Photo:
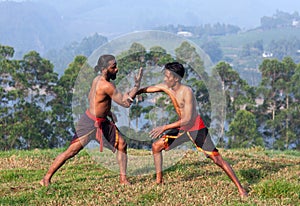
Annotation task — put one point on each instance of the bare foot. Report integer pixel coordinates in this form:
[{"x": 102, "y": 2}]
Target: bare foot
[
  {"x": 44, "y": 182},
  {"x": 125, "y": 182},
  {"x": 159, "y": 178},
  {"x": 159, "y": 182},
  {"x": 243, "y": 194}
]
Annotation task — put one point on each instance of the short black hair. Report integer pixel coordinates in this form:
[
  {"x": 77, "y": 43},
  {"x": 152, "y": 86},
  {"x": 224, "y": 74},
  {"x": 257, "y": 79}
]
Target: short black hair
[
  {"x": 103, "y": 62},
  {"x": 176, "y": 67}
]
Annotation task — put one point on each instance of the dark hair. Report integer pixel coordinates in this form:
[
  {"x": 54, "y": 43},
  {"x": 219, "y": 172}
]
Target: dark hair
[
  {"x": 103, "y": 62},
  {"x": 176, "y": 67}
]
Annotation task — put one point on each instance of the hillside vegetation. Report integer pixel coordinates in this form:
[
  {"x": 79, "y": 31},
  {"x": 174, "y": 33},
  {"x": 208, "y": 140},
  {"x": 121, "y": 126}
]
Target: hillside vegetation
[{"x": 271, "y": 177}]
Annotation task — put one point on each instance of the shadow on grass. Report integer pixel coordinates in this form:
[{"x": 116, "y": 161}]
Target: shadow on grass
[
  {"x": 191, "y": 171},
  {"x": 206, "y": 174},
  {"x": 253, "y": 176}
]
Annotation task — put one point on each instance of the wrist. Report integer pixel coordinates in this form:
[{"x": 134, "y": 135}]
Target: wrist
[
  {"x": 129, "y": 97},
  {"x": 165, "y": 127}
]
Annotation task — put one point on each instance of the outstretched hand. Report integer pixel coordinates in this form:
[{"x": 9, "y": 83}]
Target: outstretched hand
[
  {"x": 138, "y": 77},
  {"x": 156, "y": 132},
  {"x": 137, "y": 80},
  {"x": 128, "y": 98}
]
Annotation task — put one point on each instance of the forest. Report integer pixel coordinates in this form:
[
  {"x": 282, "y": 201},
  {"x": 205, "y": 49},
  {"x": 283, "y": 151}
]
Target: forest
[{"x": 36, "y": 103}]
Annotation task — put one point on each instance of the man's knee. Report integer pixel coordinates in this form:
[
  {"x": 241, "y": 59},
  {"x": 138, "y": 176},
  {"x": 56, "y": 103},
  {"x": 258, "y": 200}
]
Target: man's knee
[
  {"x": 218, "y": 160},
  {"x": 122, "y": 145},
  {"x": 157, "y": 146},
  {"x": 73, "y": 150}
]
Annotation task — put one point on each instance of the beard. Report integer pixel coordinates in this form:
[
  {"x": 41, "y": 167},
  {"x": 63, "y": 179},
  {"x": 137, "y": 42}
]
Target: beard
[{"x": 112, "y": 76}]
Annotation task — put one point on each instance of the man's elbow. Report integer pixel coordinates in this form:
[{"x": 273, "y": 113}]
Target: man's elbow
[{"x": 185, "y": 122}]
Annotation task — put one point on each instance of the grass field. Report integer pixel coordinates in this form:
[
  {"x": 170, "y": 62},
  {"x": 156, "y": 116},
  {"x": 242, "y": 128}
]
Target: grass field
[{"x": 271, "y": 178}]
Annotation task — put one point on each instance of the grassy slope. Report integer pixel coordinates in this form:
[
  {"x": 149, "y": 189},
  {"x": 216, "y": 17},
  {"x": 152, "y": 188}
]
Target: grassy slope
[{"x": 271, "y": 177}]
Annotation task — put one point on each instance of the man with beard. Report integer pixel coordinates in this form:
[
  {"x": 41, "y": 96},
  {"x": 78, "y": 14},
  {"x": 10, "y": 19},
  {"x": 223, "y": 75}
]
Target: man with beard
[
  {"x": 94, "y": 124},
  {"x": 189, "y": 127}
]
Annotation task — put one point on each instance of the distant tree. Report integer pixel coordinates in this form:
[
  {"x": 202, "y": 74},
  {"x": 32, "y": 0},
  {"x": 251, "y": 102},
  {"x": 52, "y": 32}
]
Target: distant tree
[
  {"x": 238, "y": 93},
  {"x": 284, "y": 47},
  {"x": 90, "y": 44},
  {"x": 62, "y": 111},
  {"x": 243, "y": 131},
  {"x": 64, "y": 56},
  {"x": 267, "y": 22},
  {"x": 187, "y": 55},
  {"x": 132, "y": 59},
  {"x": 212, "y": 48},
  {"x": 276, "y": 90},
  {"x": 9, "y": 96},
  {"x": 135, "y": 112},
  {"x": 159, "y": 56},
  {"x": 6, "y": 52},
  {"x": 272, "y": 71},
  {"x": 203, "y": 30},
  {"x": 156, "y": 52},
  {"x": 284, "y": 120},
  {"x": 294, "y": 109},
  {"x": 246, "y": 51},
  {"x": 25, "y": 97},
  {"x": 259, "y": 45},
  {"x": 279, "y": 19}
]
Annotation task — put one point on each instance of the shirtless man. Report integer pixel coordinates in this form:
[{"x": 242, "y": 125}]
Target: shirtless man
[
  {"x": 94, "y": 124},
  {"x": 189, "y": 127}
]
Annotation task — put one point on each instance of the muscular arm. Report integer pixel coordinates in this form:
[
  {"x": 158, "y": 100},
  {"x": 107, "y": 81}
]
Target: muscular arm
[
  {"x": 117, "y": 96},
  {"x": 151, "y": 89},
  {"x": 125, "y": 99}
]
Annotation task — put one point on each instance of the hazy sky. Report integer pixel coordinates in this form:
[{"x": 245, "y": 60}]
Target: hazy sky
[
  {"x": 243, "y": 13},
  {"x": 115, "y": 17}
]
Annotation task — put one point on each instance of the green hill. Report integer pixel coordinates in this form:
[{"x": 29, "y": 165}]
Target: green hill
[
  {"x": 242, "y": 38},
  {"x": 244, "y": 50},
  {"x": 271, "y": 177}
]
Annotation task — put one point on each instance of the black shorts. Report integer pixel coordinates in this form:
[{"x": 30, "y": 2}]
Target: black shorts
[
  {"x": 110, "y": 133},
  {"x": 200, "y": 138}
]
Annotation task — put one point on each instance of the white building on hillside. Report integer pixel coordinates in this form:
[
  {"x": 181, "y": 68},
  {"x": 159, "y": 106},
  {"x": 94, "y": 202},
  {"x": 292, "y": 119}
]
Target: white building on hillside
[
  {"x": 267, "y": 54},
  {"x": 184, "y": 33}
]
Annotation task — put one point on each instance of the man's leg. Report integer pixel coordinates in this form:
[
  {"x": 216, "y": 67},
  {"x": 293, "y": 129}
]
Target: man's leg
[
  {"x": 72, "y": 150},
  {"x": 122, "y": 160},
  {"x": 157, "y": 148},
  {"x": 218, "y": 160}
]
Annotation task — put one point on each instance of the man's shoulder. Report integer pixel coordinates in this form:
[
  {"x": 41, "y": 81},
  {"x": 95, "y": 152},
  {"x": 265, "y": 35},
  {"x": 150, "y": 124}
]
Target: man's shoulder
[
  {"x": 161, "y": 85},
  {"x": 103, "y": 82},
  {"x": 186, "y": 87}
]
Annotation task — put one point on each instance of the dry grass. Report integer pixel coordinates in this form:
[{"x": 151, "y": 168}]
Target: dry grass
[{"x": 272, "y": 178}]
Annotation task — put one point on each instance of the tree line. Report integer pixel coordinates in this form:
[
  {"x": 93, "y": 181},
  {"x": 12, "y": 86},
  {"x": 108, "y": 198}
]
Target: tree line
[
  {"x": 36, "y": 104},
  {"x": 280, "y": 19},
  {"x": 217, "y": 29}
]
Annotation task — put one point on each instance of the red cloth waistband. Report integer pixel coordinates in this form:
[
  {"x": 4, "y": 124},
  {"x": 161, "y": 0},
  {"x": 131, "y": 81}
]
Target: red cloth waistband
[
  {"x": 198, "y": 124},
  {"x": 98, "y": 125}
]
